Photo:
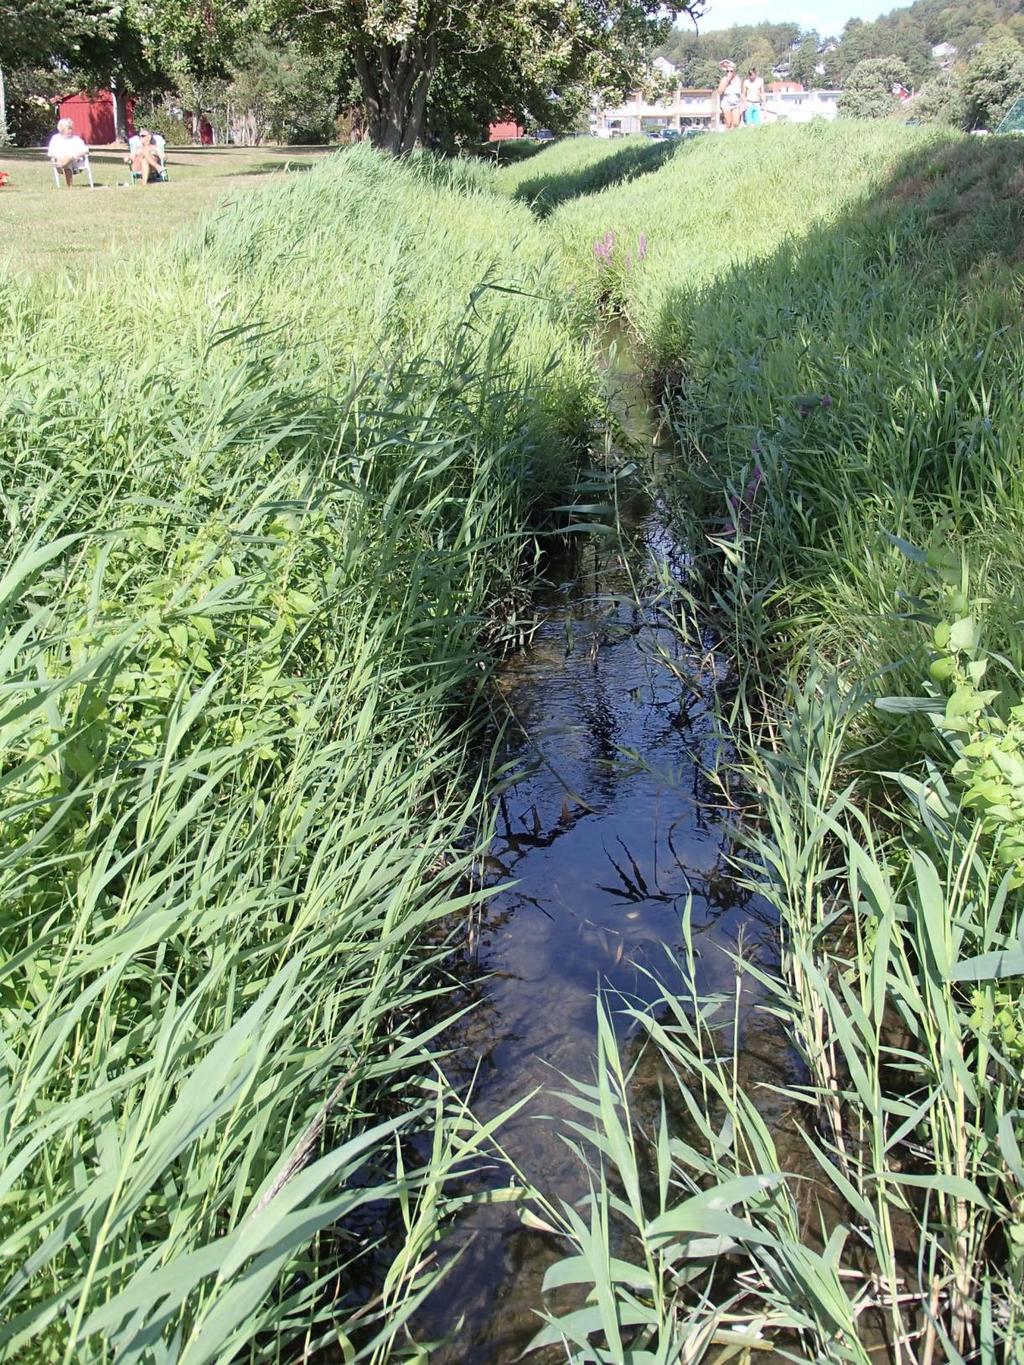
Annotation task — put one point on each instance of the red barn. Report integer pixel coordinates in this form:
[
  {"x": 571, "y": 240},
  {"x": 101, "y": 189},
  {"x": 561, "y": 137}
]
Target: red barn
[
  {"x": 92, "y": 113},
  {"x": 503, "y": 132}
]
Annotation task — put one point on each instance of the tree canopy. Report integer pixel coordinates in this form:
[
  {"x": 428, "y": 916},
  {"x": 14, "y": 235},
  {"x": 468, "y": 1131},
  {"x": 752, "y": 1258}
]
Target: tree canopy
[
  {"x": 907, "y": 33},
  {"x": 440, "y": 70},
  {"x": 870, "y": 91},
  {"x": 991, "y": 83},
  {"x": 41, "y": 32},
  {"x": 419, "y": 64}
]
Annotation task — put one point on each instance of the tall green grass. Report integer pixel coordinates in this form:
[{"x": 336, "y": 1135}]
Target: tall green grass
[
  {"x": 262, "y": 499},
  {"x": 831, "y": 315},
  {"x": 718, "y": 203},
  {"x": 580, "y": 166}
]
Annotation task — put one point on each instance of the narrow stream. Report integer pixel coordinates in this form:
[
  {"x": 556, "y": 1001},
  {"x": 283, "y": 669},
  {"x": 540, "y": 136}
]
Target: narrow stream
[{"x": 609, "y": 828}]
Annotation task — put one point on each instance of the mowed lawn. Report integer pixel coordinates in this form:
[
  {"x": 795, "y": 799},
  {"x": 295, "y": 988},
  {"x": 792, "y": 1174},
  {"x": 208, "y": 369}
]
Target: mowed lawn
[{"x": 43, "y": 228}]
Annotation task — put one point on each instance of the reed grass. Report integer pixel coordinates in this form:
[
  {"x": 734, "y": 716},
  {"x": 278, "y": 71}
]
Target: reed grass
[
  {"x": 262, "y": 504},
  {"x": 830, "y": 315}
]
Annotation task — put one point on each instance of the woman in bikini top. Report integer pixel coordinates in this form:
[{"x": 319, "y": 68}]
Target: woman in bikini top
[{"x": 730, "y": 94}]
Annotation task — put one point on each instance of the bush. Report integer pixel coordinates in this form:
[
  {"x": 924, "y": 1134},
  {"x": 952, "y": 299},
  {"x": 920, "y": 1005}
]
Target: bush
[
  {"x": 868, "y": 92},
  {"x": 31, "y": 121},
  {"x": 158, "y": 118},
  {"x": 993, "y": 80}
]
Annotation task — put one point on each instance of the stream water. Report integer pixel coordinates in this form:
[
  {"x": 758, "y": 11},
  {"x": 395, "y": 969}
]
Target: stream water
[{"x": 608, "y": 829}]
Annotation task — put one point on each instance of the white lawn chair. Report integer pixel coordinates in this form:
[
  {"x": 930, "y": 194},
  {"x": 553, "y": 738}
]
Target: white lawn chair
[{"x": 77, "y": 168}]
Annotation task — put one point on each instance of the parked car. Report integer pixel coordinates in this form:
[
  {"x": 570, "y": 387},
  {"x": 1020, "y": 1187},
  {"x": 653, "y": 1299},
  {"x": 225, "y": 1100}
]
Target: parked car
[{"x": 543, "y": 135}]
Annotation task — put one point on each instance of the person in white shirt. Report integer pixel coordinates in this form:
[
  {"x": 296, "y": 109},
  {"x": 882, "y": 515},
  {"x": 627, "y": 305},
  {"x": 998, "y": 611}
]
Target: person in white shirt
[{"x": 66, "y": 150}]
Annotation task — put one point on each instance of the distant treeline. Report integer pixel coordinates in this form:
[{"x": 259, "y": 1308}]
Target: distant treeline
[{"x": 970, "y": 82}]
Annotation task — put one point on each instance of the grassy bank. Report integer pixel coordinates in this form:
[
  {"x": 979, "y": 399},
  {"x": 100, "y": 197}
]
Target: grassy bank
[
  {"x": 261, "y": 503},
  {"x": 834, "y": 316},
  {"x": 580, "y": 166},
  {"x": 264, "y": 500}
]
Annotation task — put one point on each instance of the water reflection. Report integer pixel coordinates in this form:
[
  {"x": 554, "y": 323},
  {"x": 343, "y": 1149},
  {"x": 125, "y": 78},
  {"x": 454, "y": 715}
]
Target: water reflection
[{"x": 607, "y": 832}]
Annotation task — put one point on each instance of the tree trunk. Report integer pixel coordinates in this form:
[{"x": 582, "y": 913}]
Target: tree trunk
[
  {"x": 4, "y": 136},
  {"x": 395, "y": 85},
  {"x": 120, "y": 110}
]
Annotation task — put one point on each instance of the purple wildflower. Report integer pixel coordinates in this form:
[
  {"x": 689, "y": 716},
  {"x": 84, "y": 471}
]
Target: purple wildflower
[
  {"x": 826, "y": 400},
  {"x": 604, "y": 248},
  {"x": 641, "y": 247}
]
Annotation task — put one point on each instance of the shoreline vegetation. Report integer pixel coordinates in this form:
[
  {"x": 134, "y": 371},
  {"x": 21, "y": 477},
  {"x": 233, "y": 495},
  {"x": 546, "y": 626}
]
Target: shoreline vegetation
[
  {"x": 834, "y": 324},
  {"x": 265, "y": 505},
  {"x": 262, "y": 505}
]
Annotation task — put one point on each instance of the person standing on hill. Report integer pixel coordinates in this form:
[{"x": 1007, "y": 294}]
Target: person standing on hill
[
  {"x": 753, "y": 97},
  {"x": 730, "y": 95}
]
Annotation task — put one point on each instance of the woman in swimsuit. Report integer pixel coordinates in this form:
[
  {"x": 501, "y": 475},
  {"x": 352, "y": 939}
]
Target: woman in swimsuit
[{"x": 730, "y": 95}]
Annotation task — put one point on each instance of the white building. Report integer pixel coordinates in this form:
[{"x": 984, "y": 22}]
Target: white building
[
  {"x": 680, "y": 109},
  {"x": 944, "y": 54},
  {"x": 800, "y": 106},
  {"x": 684, "y": 108}
]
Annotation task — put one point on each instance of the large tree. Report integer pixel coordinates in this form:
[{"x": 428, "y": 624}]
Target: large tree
[
  {"x": 421, "y": 61},
  {"x": 993, "y": 80},
  {"x": 869, "y": 91},
  {"x": 49, "y": 34},
  {"x": 193, "y": 42}
]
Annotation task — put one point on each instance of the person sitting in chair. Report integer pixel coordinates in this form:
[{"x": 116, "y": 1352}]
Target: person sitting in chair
[
  {"x": 66, "y": 150},
  {"x": 145, "y": 156}
]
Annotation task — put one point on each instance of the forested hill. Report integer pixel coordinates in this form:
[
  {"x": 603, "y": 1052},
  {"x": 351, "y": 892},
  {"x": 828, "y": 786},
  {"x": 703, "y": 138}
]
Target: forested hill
[{"x": 909, "y": 33}]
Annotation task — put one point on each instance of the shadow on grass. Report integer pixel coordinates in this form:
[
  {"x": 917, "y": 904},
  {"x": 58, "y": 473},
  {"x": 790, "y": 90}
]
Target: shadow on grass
[
  {"x": 544, "y": 192},
  {"x": 509, "y": 151},
  {"x": 913, "y": 288},
  {"x": 266, "y": 168}
]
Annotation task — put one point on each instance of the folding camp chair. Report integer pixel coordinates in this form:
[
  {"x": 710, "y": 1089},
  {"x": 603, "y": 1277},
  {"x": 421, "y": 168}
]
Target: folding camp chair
[
  {"x": 162, "y": 179},
  {"x": 82, "y": 164}
]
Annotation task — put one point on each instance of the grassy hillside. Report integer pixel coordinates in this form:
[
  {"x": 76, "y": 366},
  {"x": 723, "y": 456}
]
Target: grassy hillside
[
  {"x": 261, "y": 499},
  {"x": 579, "y": 166},
  {"x": 833, "y": 316},
  {"x": 716, "y": 203},
  {"x": 869, "y": 266}
]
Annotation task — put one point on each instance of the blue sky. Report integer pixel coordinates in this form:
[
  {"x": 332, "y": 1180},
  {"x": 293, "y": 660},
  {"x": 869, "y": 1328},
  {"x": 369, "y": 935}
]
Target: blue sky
[{"x": 827, "y": 16}]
